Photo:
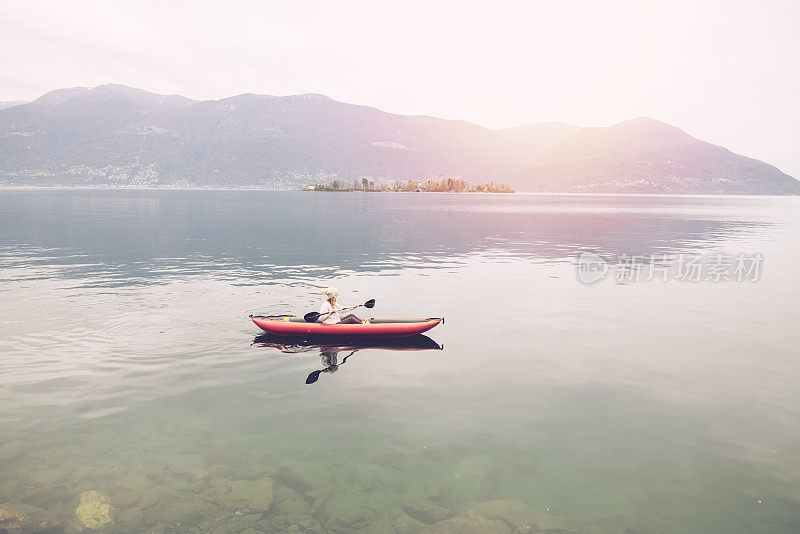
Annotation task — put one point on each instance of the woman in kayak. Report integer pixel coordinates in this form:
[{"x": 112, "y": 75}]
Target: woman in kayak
[{"x": 329, "y": 311}]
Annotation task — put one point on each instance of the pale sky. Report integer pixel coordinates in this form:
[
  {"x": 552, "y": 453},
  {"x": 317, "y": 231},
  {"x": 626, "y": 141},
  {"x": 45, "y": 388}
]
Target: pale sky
[{"x": 725, "y": 71}]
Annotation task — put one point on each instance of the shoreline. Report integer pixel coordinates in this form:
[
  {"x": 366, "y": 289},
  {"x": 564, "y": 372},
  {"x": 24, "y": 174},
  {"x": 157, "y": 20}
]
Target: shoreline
[
  {"x": 393, "y": 191},
  {"x": 251, "y": 189}
]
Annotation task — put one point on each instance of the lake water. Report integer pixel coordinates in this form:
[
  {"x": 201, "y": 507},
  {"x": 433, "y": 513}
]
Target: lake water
[{"x": 129, "y": 365}]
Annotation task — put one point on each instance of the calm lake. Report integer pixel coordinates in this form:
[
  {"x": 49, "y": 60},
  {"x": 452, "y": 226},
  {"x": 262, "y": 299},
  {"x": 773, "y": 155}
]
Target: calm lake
[{"x": 129, "y": 365}]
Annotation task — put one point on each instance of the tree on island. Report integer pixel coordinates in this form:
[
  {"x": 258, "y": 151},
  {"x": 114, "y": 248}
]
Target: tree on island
[{"x": 444, "y": 185}]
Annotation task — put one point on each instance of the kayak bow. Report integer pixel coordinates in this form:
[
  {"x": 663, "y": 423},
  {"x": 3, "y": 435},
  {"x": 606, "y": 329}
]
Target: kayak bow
[{"x": 378, "y": 326}]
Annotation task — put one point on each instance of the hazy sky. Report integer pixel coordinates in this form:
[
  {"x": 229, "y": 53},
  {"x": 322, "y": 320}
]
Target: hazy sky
[{"x": 724, "y": 71}]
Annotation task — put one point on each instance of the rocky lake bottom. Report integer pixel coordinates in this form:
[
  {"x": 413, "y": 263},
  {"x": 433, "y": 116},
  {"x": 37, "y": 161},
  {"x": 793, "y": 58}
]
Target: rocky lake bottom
[{"x": 143, "y": 486}]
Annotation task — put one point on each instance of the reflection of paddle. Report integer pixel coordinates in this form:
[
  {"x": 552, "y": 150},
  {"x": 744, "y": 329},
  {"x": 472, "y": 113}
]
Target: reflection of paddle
[
  {"x": 311, "y": 317},
  {"x": 293, "y": 344},
  {"x": 314, "y": 375}
]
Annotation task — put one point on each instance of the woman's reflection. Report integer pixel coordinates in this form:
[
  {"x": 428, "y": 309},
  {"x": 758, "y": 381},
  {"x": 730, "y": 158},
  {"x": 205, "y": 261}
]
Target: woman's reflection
[
  {"x": 330, "y": 359},
  {"x": 330, "y": 351}
]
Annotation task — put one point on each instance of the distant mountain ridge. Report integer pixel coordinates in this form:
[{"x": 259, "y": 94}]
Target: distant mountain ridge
[
  {"x": 4, "y": 105},
  {"x": 121, "y": 136}
]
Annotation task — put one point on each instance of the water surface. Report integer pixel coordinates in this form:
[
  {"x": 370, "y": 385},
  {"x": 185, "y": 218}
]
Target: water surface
[{"x": 612, "y": 407}]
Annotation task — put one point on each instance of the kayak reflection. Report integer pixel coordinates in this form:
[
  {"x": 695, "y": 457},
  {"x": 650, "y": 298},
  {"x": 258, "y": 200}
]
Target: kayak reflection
[{"x": 330, "y": 349}]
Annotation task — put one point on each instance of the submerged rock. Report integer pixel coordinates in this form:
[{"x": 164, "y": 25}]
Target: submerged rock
[
  {"x": 95, "y": 510},
  {"x": 134, "y": 481},
  {"x": 383, "y": 526},
  {"x": 304, "y": 476},
  {"x": 46, "y": 477},
  {"x": 254, "y": 494},
  {"x": 171, "y": 512},
  {"x": 125, "y": 497},
  {"x": 320, "y": 497},
  {"x": 155, "y": 494},
  {"x": 405, "y": 524},
  {"x": 131, "y": 520},
  {"x": 188, "y": 464},
  {"x": 294, "y": 507},
  {"x": 80, "y": 473},
  {"x": 18, "y": 518},
  {"x": 389, "y": 459},
  {"x": 517, "y": 514},
  {"x": 213, "y": 522},
  {"x": 344, "y": 515},
  {"x": 180, "y": 484},
  {"x": 160, "y": 504},
  {"x": 227, "y": 471},
  {"x": 237, "y": 524},
  {"x": 8, "y": 488},
  {"x": 49, "y": 497},
  {"x": 283, "y": 493},
  {"x": 502, "y": 516},
  {"x": 240, "y": 473},
  {"x": 292, "y": 523},
  {"x": 469, "y": 523},
  {"x": 424, "y": 510}
]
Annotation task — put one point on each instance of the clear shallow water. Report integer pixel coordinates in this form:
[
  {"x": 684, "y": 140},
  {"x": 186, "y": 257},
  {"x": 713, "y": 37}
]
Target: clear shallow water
[{"x": 613, "y": 407}]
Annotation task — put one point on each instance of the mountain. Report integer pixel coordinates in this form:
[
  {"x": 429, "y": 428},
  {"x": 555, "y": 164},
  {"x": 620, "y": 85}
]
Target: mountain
[
  {"x": 645, "y": 155},
  {"x": 118, "y": 135},
  {"x": 261, "y": 138},
  {"x": 4, "y": 105},
  {"x": 533, "y": 140}
]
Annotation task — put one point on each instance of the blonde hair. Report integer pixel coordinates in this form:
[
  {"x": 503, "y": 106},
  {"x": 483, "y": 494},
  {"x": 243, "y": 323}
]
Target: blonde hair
[{"x": 332, "y": 294}]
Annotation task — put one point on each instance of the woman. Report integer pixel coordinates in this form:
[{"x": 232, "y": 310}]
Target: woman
[{"x": 329, "y": 311}]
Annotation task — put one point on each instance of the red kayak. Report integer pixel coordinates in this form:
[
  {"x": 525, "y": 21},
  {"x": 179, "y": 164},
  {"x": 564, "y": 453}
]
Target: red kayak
[{"x": 378, "y": 326}]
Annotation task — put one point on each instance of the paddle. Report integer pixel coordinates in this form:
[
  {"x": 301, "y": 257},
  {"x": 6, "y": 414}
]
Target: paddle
[
  {"x": 311, "y": 317},
  {"x": 313, "y": 376}
]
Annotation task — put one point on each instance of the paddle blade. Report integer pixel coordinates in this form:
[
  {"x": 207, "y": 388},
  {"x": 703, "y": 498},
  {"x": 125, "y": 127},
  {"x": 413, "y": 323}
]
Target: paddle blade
[
  {"x": 311, "y": 317},
  {"x": 370, "y": 303},
  {"x": 313, "y": 377}
]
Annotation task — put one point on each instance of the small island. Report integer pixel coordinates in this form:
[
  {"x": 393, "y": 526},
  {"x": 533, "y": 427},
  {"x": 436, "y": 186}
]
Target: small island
[{"x": 445, "y": 185}]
